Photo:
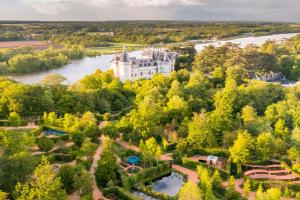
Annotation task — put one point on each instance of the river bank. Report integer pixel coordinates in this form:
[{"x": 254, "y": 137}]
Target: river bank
[{"x": 76, "y": 70}]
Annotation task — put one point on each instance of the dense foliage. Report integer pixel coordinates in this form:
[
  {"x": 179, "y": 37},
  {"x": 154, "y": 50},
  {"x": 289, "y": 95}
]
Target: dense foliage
[
  {"x": 26, "y": 59},
  {"x": 101, "y": 34}
]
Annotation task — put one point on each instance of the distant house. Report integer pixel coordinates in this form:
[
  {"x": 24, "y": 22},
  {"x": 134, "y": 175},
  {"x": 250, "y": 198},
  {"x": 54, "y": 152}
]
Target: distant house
[{"x": 270, "y": 77}]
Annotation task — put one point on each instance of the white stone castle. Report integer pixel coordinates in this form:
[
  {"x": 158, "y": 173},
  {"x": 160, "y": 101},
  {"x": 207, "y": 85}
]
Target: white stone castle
[{"x": 153, "y": 61}]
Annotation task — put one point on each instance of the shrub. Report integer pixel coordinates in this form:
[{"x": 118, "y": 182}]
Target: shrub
[
  {"x": 36, "y": 132},
  {"x": 45, "y": 144},
  {"x": 193, "y": 165},
  {"x": 204, "y": 151},
  {"x": 66, "y": 173},
  {"x": 119, "y": 193}
]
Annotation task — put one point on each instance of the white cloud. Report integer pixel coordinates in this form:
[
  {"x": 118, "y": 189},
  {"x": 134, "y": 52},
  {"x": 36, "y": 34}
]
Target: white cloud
[
  {"x": 50, "y": 7},
  {"x": 54, "y": 7}
]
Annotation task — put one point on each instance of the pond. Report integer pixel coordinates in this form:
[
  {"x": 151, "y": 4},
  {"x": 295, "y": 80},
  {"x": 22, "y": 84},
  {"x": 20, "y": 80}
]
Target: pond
[
  {"x": 54, "y": 132},
  {"x": 76, "y": 70},
  {"x": 169, "y": 185}
]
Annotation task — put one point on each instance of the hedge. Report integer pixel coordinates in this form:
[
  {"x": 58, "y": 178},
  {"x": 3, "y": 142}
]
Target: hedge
[
  {"x": 60, "y": 157},
  {"x": 149, "y": 175},
  {"x": 203, "y": 151},
  {"x": 152, "y": 173},
  {"x": 149, "y": 191},
  {"x": 119, "y": 193},
  {"x": 36, "y": 132},
  {"x": 193, "y": 166}
]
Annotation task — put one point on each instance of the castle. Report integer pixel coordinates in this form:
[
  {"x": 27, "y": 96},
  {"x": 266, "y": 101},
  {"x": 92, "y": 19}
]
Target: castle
[{"x": 153, "y": 61}]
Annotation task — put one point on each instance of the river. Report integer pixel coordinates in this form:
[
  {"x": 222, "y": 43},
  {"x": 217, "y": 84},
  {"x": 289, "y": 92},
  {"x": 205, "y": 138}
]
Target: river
[{"x": 77, "y": 69}]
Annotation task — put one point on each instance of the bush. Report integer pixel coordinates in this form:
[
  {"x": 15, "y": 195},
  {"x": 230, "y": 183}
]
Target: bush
[
  {"x": 119, "y": 193},
  {"x": 36, "y": 132},
  {"x": 149, "y": 191},
  {"x": 152, "y": 173},
  {"x": 66, "y": 174},
  {"x": 60, "y": 157},
  {"x": 193, "y": 166},
  {"x": 45, "y": 144},
  {"x": 203, "y": 151}
]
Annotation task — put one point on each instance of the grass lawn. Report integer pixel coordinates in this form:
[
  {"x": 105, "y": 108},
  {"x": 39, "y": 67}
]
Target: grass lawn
[{"x": 117, "y": 47}]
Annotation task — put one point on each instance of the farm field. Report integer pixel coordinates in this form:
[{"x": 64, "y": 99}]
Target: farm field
[{"x": 35, "y": 44}]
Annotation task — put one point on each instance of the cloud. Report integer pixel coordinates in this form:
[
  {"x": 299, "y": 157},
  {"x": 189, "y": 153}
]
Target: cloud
[
  {"x": 54, "y": 7},
  {"x": 50, "y": 7},
  {"x": 262, "y": 10}
]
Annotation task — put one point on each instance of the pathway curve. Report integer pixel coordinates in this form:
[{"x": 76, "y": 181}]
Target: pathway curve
[
  {"x": 97, "y": 194},
  {"x": 29, "y": 126},
  {"x": 192, "y": 175},
  {"x": 237, "y": 187}
]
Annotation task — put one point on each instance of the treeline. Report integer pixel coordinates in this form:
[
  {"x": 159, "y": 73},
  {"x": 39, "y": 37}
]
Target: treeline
[
  {"x": 25, "y": 60},
  {"x": 98, "y": 93},
  {"x": 98, "y": 34},
  {"x": 270, "y": 57}
]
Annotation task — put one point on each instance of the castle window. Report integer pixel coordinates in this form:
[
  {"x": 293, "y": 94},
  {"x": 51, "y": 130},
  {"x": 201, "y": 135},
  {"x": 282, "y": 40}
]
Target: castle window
[{"x": 141, "y": 73}]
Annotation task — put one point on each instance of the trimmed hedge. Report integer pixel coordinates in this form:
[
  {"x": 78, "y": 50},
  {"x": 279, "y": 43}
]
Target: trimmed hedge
[
  {"x": 60, "y": 157},
  {"x": 149, "y": 191},
  {"x": 119, "y": 193},
  {"x": 36, "y": 132},
  {"x": 152, "y": 173},
  {"x": 203, "y": 151},
  {"x": 193, "y": 166}
]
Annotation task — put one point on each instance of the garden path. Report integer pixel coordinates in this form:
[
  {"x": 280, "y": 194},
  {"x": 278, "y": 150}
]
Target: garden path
[
  {"x": 97, "y": 194},
  {"x": 237, "y": 186},
  {"x": 29, "y": 126},
  {"x": 192, "y": 175}
]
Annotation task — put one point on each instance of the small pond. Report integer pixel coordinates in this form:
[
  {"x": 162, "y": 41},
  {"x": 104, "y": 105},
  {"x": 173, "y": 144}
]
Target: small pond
[
  {"x": 133, "y": 170},
  {"x": 169, "y": 185},
  {"x": 54, "y": 132},
  {"x": 133, "y": 160}
]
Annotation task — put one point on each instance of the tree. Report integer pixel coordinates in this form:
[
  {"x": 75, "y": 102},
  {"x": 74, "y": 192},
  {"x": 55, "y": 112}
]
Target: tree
[
  {"x": 78, "y": 138},
  {"x": 53, "y": 80},
  {"x": 110, "y": 130},
  {"x": 216, "y": 179},
  {"x": 66, "y": 174},
  {"x": 45, "y": 144},
  {"x": 241, "y": 150},
  {"x": 106, "y": 169},
  {"x": 270, "y": 194},
  {"x": 43, "y": 185},
  {"x": 83, "y": 182},
  {"x": 205, "y": 183},
  {"x": 189, "y": 191},
  {"x": 265, "y": 146},
  {"x": 280, "y": 129},
  {"x": 14, "y": 119},
  {"x": 175, "y": 90},
  {"x": 200, "y": 131},
  {"x": 231, "y": 193},
  {"x": 150, "y": 151},
  {"x": 247, "y": 188},
  {"x": 88, "y": 147},
  {"x": 3, "y": 195},
  {"x": 177, "y": 108}
]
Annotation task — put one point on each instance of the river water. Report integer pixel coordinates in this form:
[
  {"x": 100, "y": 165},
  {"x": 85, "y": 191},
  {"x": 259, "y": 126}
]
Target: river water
[{"x": 77, "y": 69}]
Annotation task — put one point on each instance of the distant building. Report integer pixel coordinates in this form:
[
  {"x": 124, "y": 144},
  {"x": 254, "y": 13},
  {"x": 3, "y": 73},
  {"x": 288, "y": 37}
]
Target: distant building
[
  {"x": 153, "y": 61},
  {"x": 270, "y": 77}
]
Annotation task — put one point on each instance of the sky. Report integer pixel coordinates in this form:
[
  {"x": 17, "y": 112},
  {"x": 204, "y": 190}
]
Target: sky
[{"x": 102, "y": 10}]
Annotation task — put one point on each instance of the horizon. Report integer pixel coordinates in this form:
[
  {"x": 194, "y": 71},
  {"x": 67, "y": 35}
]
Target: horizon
[{"x": 149, "y": 10}]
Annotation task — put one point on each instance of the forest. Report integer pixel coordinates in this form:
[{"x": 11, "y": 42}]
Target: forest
[
  {"x": 102, "y": 34},
  {"x": 209, "y": 106},
  {"x": 27, "y": 59}
]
